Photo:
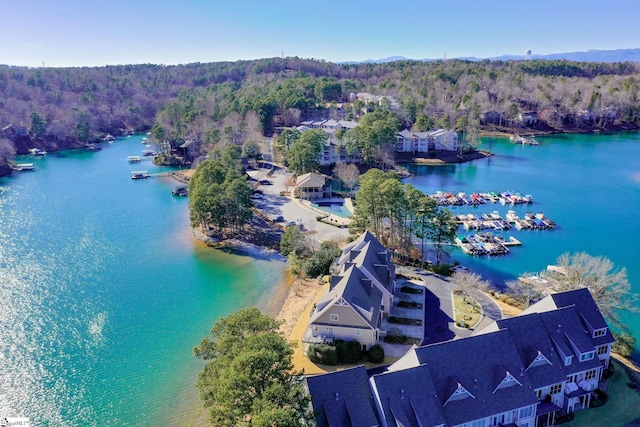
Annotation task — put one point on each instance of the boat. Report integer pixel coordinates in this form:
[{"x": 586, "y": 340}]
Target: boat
[
  {"x": 517, "y": 139},
  {"x": 148, "y": 153},
  {"x": 134, "y": 159},
  {"x": 93, "y": 147},
  {"x": 37, "y": 152},
  {"x": 180, "y": 190},
  {"x": 145, "y": 141},
  {"x": 139, "y": 175},
  {"x": 109, "y": 138},
  {"x": 24, "y": 167}
]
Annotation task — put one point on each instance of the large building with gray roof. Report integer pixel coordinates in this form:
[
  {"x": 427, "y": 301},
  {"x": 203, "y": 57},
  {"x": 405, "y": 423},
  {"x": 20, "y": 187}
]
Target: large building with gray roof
[{"x": 521, "y": 371}]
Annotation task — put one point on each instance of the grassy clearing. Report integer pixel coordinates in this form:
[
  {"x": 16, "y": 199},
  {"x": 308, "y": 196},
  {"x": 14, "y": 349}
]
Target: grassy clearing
[
  {"x": 467, "y": 311},
  {"x": 622, "y": 408}
]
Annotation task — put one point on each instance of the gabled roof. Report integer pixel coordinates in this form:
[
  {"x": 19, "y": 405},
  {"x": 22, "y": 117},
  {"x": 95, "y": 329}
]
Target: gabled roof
[
  {"x": 475, "y": 364},
  {"x": 584, "y": 304},
  {"x": 348, "y": 124},
  {"x": 342, "y": 398},
  {"x": 531, "y": 339},
  {"x": 310, "y": 179},
  {"x": 408, "y": 397},
  {"x": 570, "y": 336},
  {"x": 354, "y": 289}
]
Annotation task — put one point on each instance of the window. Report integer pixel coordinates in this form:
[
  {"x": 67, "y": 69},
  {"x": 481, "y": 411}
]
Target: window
[
  {"x": 555, "y": 389},
  {"x": 567, "y": 360},
  {"x": 526, "y": 412},
  {"x": 599, "y": 333},
  {"x": 333, "y": 317},
  {"x": 539, "y": 394},
  {"x": 603, "y": 349},
  {"x": 589, "y": 375},
  {"x": 586, "y": 356},
  {"x": 357, "y": 332}
]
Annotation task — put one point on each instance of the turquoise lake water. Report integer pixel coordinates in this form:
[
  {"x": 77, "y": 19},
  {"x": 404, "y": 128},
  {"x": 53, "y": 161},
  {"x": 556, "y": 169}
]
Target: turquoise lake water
[
  {"x": 588, "y": 184},
  {"x": 104, "y": 292}
]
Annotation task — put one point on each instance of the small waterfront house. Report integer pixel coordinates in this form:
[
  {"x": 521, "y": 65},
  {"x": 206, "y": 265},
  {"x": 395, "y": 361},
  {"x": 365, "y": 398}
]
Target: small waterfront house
[
  {"x": 312, "y": 186},
  {"x": 359, "y": 295},
  {"x": 342, "y": 398}
]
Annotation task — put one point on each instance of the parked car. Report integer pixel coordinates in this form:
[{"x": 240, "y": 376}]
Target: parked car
[
  {"x": 265, "y": 182},
  {"x": 279, "y": 219}
]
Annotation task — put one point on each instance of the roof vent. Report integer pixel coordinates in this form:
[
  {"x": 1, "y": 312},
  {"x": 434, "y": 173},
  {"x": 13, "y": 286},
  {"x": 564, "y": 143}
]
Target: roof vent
[
  {"x": 402, "y": 394},
  {"x": 337, "y": 396},
  {"x": 475, "y": 383},
  {"x": 559, "y": 326}
]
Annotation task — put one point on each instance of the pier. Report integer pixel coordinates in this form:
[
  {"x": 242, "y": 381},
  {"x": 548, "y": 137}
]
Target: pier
[
  {"x": 494, "y": 221},
  {"x": 480, "y": 198},
  {"x": 486, "y": 244}
]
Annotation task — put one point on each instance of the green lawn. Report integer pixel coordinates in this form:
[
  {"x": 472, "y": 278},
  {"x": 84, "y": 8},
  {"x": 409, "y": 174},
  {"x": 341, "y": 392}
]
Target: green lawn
[{"x": 623, "y": 405}]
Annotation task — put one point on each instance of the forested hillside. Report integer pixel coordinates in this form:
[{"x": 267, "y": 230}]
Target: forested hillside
[{"x": 67, "y": 107}]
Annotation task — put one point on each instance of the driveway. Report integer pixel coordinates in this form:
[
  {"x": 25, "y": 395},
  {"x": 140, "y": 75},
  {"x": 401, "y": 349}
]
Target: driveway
[{"x": 272, "y": 204}]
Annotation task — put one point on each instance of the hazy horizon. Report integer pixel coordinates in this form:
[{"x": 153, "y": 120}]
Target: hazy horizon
[{"x": 74, "y": 33}]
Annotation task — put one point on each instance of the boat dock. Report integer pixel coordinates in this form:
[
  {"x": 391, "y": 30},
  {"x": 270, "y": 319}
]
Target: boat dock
[
  {"x": 486, "y": 244},
  {"x": 494, "y": 221},
  {"x": 480, "y": 198}
]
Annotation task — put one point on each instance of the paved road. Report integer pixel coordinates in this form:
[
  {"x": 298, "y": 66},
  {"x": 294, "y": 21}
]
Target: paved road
[
  {"x": 439, "y": 322},
  {"x": 274, "y": 205}
]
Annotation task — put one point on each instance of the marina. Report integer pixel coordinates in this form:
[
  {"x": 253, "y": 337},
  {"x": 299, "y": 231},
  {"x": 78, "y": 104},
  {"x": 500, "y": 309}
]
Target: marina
[
  {"x": 494, "y": 221},
  {"x": 481, "y": 198}
]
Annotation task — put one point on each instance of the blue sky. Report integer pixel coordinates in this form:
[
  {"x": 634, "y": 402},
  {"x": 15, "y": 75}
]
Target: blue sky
[{"x": 100, "y": 32}]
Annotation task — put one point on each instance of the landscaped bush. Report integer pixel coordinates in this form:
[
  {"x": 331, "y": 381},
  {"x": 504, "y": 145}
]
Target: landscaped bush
[
  {"x": 323, "y": 353},
  {"x": 601, "y": 399},
  {"x": 396, "y": 339},
  {"x": 376, "y": 354},
  {"x": 462, "y": 324},
  {"x": 409, "y": 304},
  {"x": 348, "y": 351},
  {"x": 442, "y": 269},
  {"x": 560, "y": 419},
  {"x": 410, "y": 290}
]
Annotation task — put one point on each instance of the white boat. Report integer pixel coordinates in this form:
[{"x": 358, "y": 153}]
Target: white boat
[
  {"x": 139, "y": 175},
  {"x": 109, "y": 138},
  {"x": 37, "y": 152},
  {"x": 24, "y": 167},
  {"x": 512, "y": 217},
  {"x": 134, "y": 159}
]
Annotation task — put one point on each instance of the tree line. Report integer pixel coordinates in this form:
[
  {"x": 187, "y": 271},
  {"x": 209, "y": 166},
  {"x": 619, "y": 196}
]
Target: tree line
[{"x": 63, "y": 107}]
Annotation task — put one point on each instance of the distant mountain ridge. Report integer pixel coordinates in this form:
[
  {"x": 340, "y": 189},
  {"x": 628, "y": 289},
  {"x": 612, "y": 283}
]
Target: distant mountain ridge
[{"x": 592, "y": 55}]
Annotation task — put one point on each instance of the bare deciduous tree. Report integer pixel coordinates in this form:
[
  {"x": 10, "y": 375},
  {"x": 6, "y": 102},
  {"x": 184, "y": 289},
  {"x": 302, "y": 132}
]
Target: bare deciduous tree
[{"x": 609, "y": 286}]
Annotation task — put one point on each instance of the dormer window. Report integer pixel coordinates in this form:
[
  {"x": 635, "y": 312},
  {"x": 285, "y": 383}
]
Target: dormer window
[
  {"x": 459, "y": 393},
  {"x": 599, "y": 333},
  {"x": 567, "y": 360},
  {"x": 586, "y": 356},
  {"x": 507, "y": 381}
]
